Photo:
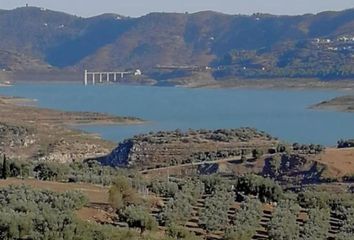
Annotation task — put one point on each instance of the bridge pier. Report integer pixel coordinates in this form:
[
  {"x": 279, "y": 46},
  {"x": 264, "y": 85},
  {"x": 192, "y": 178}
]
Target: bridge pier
[
  {"x": 100, "y": 77},
  {"x": 85, "y": 78},
  {"x": 107, "y": 75}
]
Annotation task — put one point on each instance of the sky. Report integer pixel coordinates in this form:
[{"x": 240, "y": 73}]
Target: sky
[{"x": 134, "y": 8}]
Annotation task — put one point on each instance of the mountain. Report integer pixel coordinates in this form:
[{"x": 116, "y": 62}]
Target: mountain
[{"x": 110, "y": 41}]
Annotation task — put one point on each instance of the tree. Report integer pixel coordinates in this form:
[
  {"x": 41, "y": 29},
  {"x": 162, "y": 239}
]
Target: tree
[
  {"x": 138, "y": 217},
  {"x": 214, "y": 216},
  {"x": 5, "y": 168},
  {"x": 178, "y": 232},
  {"x": 265, "y": 188},
  {"x": 275, "y": 164},
  {"x": 283, "y": 224},
  {"x": 317, "y": 226},
  {"x": 122, "y": 194},
  {"x": 164, "y": 188},
  {"x": 281, "y": 148},
  {"x": 245, "y": 221},
  {"x": 46, "y": 171},
  {"x": 347, "y": 230},
  {"x": 296, "y": 146},
  {"x": 257, "y": 153},
  {"x": 177, "y": 211}
]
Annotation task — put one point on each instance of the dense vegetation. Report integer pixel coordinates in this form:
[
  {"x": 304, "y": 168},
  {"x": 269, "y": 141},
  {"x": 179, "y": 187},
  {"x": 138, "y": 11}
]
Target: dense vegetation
[
  {"x": 219, "y": 135},
  {"x": 89, "y": 171},
  {"x": 27, "y": 214},
  {"x": 297, "y": 59}
]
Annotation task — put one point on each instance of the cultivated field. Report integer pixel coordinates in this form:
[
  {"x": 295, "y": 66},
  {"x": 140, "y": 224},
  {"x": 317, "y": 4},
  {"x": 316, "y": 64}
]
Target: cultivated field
[{"x": 95, "y": 194}]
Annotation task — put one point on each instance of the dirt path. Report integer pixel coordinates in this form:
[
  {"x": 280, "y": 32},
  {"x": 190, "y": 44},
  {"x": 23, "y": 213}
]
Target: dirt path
[{"x": 224, "y": 160}]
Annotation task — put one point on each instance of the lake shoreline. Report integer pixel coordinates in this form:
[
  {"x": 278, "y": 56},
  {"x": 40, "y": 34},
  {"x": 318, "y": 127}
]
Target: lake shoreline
[
  {"x": 298, "y": 84},
  {"x": 30, "y": 132},
  {"x": 278, "y": 111},
  {"x": 70, "y": 118}
]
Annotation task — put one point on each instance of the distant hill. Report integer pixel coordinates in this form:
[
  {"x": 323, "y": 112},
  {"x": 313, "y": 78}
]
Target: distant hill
[
  {"x": 10, "y": 61},
  {"x": 229, "y": 43}
]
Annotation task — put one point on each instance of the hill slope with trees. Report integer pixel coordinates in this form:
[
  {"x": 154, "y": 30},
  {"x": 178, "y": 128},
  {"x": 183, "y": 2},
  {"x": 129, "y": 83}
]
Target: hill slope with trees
[{"x": 256, "y": 46}]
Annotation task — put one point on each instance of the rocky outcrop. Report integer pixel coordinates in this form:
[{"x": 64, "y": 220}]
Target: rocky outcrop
[
  {"x": 15, "y": 136},
  {"x": 122, "y": 155},
  {"x": 64, "y": 151}
]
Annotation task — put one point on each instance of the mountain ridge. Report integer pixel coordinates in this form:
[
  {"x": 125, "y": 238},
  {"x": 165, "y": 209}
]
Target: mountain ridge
[{"x": 112, "y": 41}]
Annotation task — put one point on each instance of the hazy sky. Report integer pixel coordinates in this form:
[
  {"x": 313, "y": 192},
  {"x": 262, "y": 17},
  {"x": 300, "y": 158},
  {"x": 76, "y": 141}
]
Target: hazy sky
[{"x": 142, "y": 7}]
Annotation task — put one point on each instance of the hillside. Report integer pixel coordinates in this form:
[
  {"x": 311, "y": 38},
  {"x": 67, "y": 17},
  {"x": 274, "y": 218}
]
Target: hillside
[
  {"x": 13, "y": 61},
  {"x": 236, "y": 46},
  {"x": 163, "y": 149},
  {"x": 343, "y": 103}
]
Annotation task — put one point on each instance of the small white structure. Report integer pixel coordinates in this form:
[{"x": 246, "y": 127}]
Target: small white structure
[{"x": 137, "y": 72}]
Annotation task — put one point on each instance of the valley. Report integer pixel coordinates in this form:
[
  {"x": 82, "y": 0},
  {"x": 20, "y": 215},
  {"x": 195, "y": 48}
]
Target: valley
[{"x": 189, "y": 126}]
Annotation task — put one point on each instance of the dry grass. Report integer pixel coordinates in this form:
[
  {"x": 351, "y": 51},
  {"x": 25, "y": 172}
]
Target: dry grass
[{"x": 340, "y": 162}]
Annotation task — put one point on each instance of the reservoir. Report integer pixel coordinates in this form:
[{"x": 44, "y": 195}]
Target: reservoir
[{"x": 282, "y": 113}]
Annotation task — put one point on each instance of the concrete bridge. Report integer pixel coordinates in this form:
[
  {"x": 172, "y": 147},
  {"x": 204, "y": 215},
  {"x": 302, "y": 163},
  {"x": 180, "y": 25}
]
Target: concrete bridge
[{"x": 100, "y": 77}]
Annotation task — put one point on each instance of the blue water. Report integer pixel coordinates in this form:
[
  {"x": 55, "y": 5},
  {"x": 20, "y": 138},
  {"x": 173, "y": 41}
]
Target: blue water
[{"x": 283, "y": 113}]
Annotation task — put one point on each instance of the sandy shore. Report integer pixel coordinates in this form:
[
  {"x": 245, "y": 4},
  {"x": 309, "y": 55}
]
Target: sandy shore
[
  {"x": 301, "y": 84},
  {"x": 25, "y": 110}
]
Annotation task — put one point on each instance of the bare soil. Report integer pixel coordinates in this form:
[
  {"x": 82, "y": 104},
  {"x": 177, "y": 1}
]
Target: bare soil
[{"x": 340, "y": 162}]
